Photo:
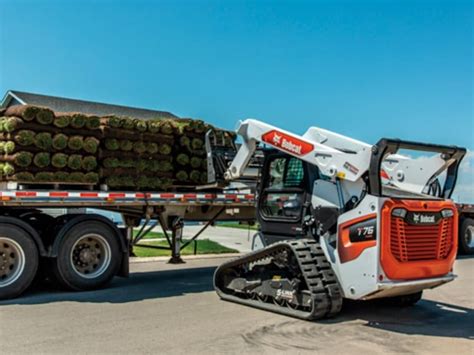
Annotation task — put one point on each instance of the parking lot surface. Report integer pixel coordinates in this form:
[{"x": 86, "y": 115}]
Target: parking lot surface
[{"x": 166, "y": 308}]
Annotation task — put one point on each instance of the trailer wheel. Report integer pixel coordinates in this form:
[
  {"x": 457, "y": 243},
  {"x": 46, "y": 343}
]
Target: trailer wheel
[
  {"x": 466, "y": 236},
  {"x": 88, "y": 256},
  {"x": 18, "y": 261}
]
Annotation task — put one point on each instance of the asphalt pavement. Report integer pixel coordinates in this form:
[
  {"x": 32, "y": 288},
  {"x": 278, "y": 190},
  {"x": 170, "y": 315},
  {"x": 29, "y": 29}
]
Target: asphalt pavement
[{"x": 166, "y": 308}]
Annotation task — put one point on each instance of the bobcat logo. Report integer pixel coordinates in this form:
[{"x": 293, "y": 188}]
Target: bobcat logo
[
  {"x": 276, "y": 139},
  {"x": 420, "y": 218}
]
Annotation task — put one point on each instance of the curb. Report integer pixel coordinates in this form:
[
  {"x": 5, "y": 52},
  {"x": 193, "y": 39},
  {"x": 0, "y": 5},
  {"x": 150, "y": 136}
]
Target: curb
[{"x": 150, "y": 259}]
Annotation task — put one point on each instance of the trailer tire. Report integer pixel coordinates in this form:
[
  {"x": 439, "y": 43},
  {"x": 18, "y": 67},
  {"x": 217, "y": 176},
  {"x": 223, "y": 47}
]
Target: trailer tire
[
  {"x": 88, "y": 256},
  {"x": 18, "y": 261},
  {"x": 466, "y": 236}
]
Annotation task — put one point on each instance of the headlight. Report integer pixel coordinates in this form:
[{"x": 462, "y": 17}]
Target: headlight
[
  {"x": 447, "y": 213},
  {"x": 399, "y": 212}
]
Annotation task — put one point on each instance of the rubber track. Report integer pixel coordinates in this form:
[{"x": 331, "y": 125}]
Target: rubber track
[{"x": 322, "y": 282}]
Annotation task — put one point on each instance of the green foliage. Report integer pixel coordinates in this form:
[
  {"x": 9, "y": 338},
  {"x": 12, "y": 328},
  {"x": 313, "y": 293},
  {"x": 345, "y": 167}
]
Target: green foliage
[
  {"x": 74, "y": 162},
  {"x": 184, "y": 141},
  {"x": 195, "y": 176},
  {"x": 182, "y": 176},
  {"x": 115, "y": 122},
  {"x": 76, "y": 177},
  {"x": 91, "y": 178},
  {"x": 25, "y": 137},
  {"x": 44, "y": 177},
  {"x": 152, "y": 148},
  {"x": 8, "y": 169},
  {"x": 59, "y": 160},
  {"x": 60, "y": 141},
  {"x": 140, "y": 125},
  {"x": 89, "y": 163},
  {"x": 166, "y": 183},
  {"x": 142, "y": 182},
  {"x": 197, "y": 143},
  {"x": 195, "y": 162},
  {"x": 126, "y": 145},
  {"x": 111, "y": 144},
  {"x": 92, "y": 122},
  {"x": 76, "y": 143},
  {"x": 23, "y": 159},
  {"x": 90, "y": 145},
  {"x": 9, "y": 147},
  {"x": 166, "y": 127},
  {"x": 45, "y": 116},
  {"x": 153, "y": 126},
  {"x": 182, "y": 159},
  {"x": 42, "y": 160},
  {"x": 60, "y": 176},
  {"x": 127, "y": 163},
  {"x": 139, "y": 147},
  {"x": 62, "y": 121},
  {"x": 11, "y": 124},
  {"x": 111, "y": 163},
  {"x": 30, "y": 112},
  {"x": 24, "y": 177},
  {"x": 165, "y": 149},
  {"x": 128, "y": 123},
  {"x": 78, "y": 120},
  {"x": 43, "y": 140},
  {"x": 142, "y": 165}
]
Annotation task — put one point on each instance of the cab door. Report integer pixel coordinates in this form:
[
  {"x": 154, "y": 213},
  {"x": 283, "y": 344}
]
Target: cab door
[{"x": 283, "y": 195}]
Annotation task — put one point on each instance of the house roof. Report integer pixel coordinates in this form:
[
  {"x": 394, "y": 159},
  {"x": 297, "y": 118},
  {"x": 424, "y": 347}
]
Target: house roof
[{"x": 62, "y": 104}]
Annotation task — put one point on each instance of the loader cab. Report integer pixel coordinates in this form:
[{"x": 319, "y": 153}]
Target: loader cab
[{"x": 284, "y": 196}]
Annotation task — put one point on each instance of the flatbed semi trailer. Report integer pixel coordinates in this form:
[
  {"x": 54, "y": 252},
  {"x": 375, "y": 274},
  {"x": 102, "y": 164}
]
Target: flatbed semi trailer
[{"x": 84, "y": 251}]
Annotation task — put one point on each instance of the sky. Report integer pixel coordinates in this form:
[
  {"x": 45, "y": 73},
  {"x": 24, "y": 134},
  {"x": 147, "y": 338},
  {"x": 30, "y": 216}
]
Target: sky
[{"x": 367, "y": 69}]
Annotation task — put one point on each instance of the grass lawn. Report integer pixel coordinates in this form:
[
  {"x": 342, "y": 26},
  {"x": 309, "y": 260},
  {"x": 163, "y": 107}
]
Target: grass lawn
[
  {"x": 204, "y": 246},
  {"x": 237, "y": 225},
  {"x": 150, "y": 235}
]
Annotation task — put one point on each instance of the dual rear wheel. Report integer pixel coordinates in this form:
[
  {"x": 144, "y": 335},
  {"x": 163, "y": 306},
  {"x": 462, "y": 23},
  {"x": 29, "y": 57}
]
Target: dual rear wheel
[{"x": 88, "y": 257}]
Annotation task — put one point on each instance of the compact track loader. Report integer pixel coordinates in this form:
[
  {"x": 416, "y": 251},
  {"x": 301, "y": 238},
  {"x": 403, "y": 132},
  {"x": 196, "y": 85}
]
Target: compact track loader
[{"x": 340, "y": 218}]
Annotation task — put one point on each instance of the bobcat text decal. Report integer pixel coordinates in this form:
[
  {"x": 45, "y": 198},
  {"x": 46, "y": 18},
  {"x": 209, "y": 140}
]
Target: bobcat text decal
[{"x": 288, "y": 143}]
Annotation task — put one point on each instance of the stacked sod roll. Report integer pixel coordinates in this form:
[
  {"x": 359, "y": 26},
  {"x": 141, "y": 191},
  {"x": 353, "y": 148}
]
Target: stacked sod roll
[
  {"x": 190, "y": 153},
  {"x": 38, "y": 146},
  {"x": 136, "y": 154}
]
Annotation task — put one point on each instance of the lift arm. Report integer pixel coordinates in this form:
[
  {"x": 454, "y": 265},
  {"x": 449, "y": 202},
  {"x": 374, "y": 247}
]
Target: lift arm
[{"x": 343, "y": 163}]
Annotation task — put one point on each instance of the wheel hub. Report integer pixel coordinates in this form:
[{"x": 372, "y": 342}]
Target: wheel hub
[
  {"x": 90, "y": 255},
  {"x": 12, "y": 261}
]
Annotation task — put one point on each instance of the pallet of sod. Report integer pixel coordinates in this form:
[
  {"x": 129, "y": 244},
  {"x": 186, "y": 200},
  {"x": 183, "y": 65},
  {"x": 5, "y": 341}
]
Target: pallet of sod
[
  {"x": 136, "y": 154},
  {"x": 38, "y": 146}
]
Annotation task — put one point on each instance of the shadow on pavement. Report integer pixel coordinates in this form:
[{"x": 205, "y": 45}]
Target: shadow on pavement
[
  {"x": 426, "y": 318},
  {"x": 139, "y": 286}
]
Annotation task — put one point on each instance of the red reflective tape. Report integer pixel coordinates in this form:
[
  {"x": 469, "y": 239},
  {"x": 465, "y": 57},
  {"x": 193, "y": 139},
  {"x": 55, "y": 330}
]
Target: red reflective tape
[
  {"x": 58, "y": 194},
  {"x": 249, "y": 196},
  {"x": 231, "y": 196},
  {"x": 139, "y": 195},
  {"x": 88, "y": 194},
  {"x": 210, "y": 196},
  {"x": 25, "y": 194},
  {"x": 167, "y": 195},
  {"x": 190, "y": 196},
  {"x": 116, "y": 195}
]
